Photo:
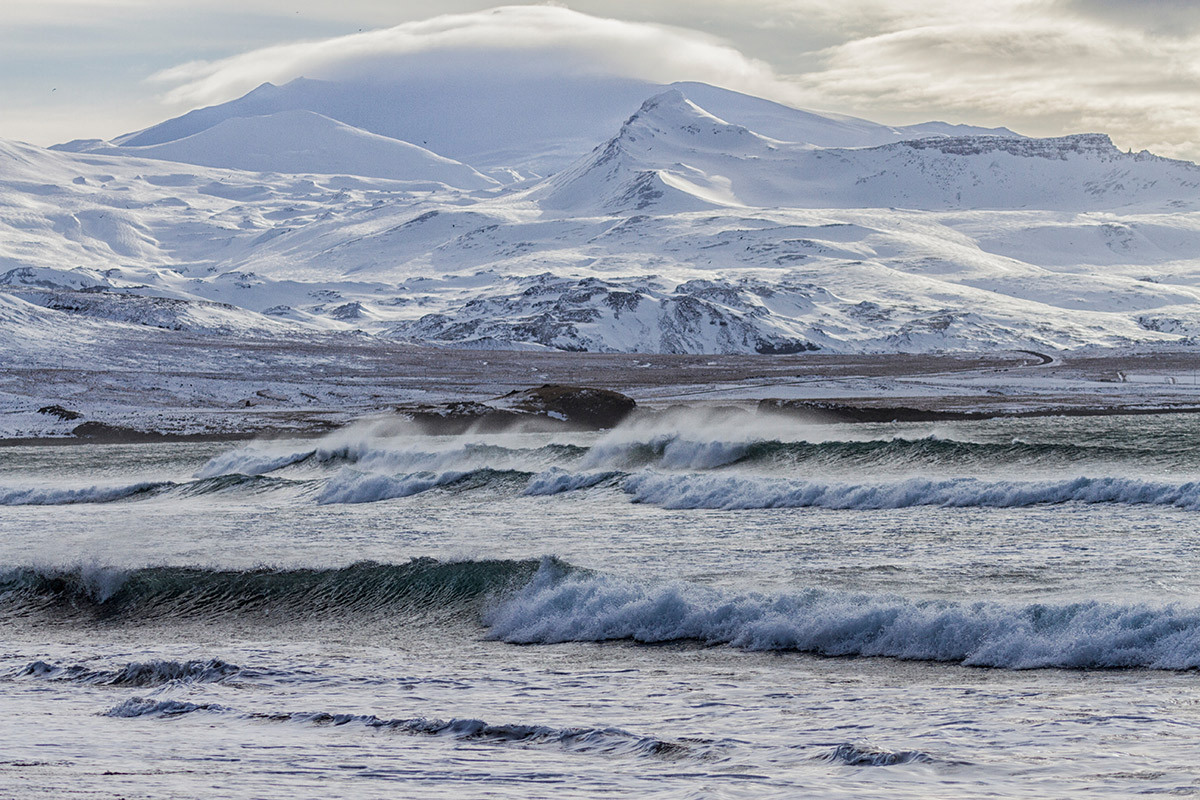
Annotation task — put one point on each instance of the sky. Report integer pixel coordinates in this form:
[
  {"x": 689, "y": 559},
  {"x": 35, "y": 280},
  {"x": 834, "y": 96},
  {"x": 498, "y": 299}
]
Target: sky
[{"x": 97, "y": 68}]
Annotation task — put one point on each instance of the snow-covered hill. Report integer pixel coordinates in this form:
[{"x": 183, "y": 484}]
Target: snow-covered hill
[
  {"x": 508, "y": 130},
  {"x": 301, "y": 142},
  {"x": 698, "y": 220}
]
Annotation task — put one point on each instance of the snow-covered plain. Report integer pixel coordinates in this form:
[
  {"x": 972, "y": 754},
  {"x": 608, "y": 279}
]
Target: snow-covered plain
[{"x": 692, "y": 220}]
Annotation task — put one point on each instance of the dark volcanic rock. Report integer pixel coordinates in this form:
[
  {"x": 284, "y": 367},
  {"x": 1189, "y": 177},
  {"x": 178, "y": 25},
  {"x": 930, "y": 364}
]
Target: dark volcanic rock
[
  {"x": 60, "y": 412},
  {"x": 113, "y": 434},
  {"x": 547, "y": 407},
  {"x": 575, "y": 406}
]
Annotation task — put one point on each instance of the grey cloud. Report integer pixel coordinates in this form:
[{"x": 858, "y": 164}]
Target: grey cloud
[{"x": 1171, "y": 18}]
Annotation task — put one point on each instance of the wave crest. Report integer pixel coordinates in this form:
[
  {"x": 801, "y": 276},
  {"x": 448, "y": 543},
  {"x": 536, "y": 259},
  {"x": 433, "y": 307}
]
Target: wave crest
[
  {"x": 277, "y": 596},
  {"x": 54, "y": 496},
  {"x": 352, "y": 486}
]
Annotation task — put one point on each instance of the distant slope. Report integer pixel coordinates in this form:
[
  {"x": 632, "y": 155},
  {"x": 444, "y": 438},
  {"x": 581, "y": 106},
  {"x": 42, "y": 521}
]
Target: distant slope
[{"x": 303, "y": 142}]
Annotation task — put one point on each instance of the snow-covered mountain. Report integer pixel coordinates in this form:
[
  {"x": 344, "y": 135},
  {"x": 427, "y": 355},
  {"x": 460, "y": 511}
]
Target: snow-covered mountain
[
  {"x": 694, "y": 220},
  {"x": 507, "y": 130},
  {"x": 510, "y": 131}
]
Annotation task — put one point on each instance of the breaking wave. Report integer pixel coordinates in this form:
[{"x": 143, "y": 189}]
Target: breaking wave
[
  {"x": 938, "y": 450},
  {"x": 692, "y": 468},
  {"x": 558, "y": 481},
  {"x": 729, "y": 491},
  {"x": 558, "y": 607},
  {"x": 679, "y": 451},
  {"x": 52, "y": 496},
  {"x": 532, "y": 602},
  {"x": 630, "y": 450},
  {"x": 374, "y": 455},
  {"x": 351, "y": 486},
  {"x": 269, "y": 595}
]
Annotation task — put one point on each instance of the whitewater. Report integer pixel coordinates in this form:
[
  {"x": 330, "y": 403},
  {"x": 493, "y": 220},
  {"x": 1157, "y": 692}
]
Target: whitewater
[{"x": 679, "y": 607}]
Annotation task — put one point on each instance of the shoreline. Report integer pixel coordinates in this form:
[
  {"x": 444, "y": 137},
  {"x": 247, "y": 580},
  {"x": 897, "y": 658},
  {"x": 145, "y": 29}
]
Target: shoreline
[
  {"x": 307, "y": 389},
  {"x": 816, "y": 413}
]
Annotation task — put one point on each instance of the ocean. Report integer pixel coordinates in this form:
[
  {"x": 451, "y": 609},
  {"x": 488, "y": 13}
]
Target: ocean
[{"x": 689, "y": 606}]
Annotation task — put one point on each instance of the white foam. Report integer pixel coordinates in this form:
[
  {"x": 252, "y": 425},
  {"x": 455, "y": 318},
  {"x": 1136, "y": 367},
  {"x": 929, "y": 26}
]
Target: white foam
[{"x": 1081, "y": 635}]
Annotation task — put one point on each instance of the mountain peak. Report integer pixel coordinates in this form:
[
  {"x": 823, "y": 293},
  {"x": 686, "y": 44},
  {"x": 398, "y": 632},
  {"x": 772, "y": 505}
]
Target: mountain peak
[
  {"x": 670, "y": 98},
  {"x": 670, "y": 120},
  {"x": 674, "y": 107}
]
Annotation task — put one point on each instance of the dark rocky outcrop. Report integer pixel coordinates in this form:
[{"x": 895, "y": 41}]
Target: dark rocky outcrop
[
  {"x": 575, "y": 406},
  {"x": 65, "y": 414},
  {"x": 102, "y": 432},
  {"x": 547, "y": 407}
]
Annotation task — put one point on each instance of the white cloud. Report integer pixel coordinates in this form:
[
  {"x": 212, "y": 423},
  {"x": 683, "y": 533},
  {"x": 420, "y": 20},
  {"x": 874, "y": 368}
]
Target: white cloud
[
  {"x": 1044, "y": 67},
  {"x": 1048, "y": 70},
  {"x": 556, "y": 37}
]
